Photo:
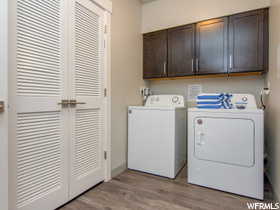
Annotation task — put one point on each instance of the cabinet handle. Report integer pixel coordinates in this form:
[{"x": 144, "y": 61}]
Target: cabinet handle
[
  {"x": 2, "y": 106},
  {"x": 192, "y": 66},
  {"x": 164, "y": 68},
  {"x": 197, "y": 64},
  {"x": 230, "y": 61}
]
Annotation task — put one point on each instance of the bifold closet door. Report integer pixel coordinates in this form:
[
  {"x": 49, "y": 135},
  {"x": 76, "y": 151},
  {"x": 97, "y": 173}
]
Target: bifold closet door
[
  {"x": 38, "y": 148},
  {"x": 87, "y": 112}
]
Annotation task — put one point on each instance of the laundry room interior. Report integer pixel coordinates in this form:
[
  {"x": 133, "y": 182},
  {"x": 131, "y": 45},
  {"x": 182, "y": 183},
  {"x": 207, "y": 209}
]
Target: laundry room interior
[{"x": 139, "y": 104}]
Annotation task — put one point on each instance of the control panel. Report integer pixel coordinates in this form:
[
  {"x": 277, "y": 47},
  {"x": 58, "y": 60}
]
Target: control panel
[
  {"x": 243, "y": 101},
  {"x": 165, "y": 101}
]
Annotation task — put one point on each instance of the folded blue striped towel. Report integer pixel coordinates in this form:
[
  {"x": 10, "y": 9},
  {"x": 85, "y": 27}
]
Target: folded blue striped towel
[
  {"x": 220, "y": 106},
  {"x": 214, "y": 101},
  {"x": 210, "y": 96}
]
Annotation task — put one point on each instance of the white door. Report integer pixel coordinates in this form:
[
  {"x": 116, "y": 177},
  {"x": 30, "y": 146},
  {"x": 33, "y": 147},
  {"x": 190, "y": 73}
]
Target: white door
[
  {"x": 225, "y": 140},
  {"x": 38, "y": 124},
  {"x": 3, "y": 98},
  {"x": 87, "y": 112}
]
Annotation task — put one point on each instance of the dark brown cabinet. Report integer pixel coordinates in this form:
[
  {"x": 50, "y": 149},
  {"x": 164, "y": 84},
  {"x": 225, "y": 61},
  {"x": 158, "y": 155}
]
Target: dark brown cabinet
[
  {"x": 155, "y": 55},
  {"x": 211, "y": 46},
  {"x": 248, "y": 41},
  {"x": 181, "y": 51},
  {"x": 227, "y": 45}
]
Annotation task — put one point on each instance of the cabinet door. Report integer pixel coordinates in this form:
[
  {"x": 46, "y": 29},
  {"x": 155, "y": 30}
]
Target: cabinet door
[
  {"x": 155, "y": 55},
  {"x": 181, "y": 43},
  {"x": 211, "y": 46},
  {"x": 246, "y": 42},
  {"x": 87, "y": 85},
  {"x": 38, "y": 125}
]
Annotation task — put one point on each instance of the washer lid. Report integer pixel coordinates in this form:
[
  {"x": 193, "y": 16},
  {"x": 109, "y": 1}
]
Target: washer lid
[
  {"x": 155, "y": 108},
  {"x": 236, "y": 111}
]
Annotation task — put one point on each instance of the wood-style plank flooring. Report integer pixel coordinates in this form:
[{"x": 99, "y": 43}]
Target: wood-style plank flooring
[{"x": 140, "y": 191}]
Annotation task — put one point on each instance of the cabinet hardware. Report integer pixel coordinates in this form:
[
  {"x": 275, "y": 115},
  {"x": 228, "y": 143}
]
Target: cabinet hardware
[
  {"x": 105, "y": 92},
  {"x": 192, "y": 65},
  {"x": 197, "y": 64},
  {"x": 164, "y": 68},
  {"x": 2, "y": 106},
  {"x": 105, "y": 155},
  {"x": 230, "y": 61}
]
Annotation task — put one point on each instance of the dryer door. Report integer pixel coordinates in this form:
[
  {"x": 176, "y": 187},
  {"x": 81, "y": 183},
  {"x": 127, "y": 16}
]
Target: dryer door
[{"x": 225, "y": 140}]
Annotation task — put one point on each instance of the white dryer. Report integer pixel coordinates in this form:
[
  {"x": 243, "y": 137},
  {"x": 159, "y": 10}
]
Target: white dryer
[
  {"x": 157, "y": 135},
  {"x": 225, "y": 147}
]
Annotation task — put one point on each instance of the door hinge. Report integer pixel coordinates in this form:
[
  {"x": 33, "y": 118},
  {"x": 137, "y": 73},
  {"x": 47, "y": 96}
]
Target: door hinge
[
  {"x": 105, "y": 155},
  {"x": 105, "y": 29},
  {"x": 105, "y": 92}
]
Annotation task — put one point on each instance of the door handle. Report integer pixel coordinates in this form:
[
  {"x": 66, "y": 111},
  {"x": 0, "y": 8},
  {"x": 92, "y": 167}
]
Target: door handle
[
  {"x": 64, "y": 102},
  {"x": 74, "y": 102},
  {"x": 2, "y": 106}
]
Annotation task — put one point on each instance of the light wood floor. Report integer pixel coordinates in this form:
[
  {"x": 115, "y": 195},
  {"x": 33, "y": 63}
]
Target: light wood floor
[{"x": 140, "y": 191}]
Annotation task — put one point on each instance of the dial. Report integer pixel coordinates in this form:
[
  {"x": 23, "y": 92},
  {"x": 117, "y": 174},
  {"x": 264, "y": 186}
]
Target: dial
[
  {"x": 245, "y": 99},
  {"x": 175, "y": 99}
]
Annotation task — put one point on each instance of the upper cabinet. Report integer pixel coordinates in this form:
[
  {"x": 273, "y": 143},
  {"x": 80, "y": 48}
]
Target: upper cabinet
[
  {"x": 211, "y": 46},
  {"x": 155, "y": 55},
  {"x": 248, "y": 41},
  {"x": 181, "y": 51},
  {"x": 227, "y": 45}
]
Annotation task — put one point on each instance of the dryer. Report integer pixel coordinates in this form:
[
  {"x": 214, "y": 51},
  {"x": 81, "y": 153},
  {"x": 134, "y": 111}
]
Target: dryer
[
  {"x": 157, "y": 135},
  {"x": 225, "y": 147}
]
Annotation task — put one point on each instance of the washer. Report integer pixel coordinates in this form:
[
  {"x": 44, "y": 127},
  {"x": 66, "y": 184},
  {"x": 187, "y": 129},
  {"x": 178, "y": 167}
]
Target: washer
[
  {"x": 225, "y": 147},
  {"x": 157, "y": 135}
]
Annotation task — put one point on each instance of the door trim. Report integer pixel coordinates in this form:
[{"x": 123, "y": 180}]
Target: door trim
[
  {"x": 4, "y": 97},
  {"x": 107, "y": 85}
]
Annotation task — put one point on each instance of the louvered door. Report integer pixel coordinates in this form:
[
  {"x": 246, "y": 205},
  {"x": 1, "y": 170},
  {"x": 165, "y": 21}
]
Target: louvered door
[
  {"x": 87, "y": 41},
  {"x": 38, "y": 124}
]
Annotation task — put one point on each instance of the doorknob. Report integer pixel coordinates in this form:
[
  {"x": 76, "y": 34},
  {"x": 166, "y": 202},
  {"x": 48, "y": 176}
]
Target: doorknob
[{"x": 2, "y": 106}]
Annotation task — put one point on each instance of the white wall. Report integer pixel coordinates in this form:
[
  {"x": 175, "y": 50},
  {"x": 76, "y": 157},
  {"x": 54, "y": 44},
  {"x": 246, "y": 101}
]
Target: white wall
[
  {"x": 3, "y": 116},
  {"x": 273, "y": 108},
  {"x": 162, "y": 14},
  {"x": 126, "y": 73}
]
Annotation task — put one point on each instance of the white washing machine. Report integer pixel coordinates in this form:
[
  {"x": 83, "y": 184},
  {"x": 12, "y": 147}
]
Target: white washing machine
[
  {"x": 225, "y": 147},
  {"x": 157, "y": 135}
]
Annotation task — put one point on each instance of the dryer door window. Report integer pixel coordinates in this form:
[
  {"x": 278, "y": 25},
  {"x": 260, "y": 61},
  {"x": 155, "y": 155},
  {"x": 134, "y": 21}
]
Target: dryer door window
[{"x": 225, "y": 140}]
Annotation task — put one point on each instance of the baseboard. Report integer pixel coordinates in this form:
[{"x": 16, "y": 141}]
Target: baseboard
[
  {"x": 276, "y": 196},
  {"x": 118, "y": 170}
]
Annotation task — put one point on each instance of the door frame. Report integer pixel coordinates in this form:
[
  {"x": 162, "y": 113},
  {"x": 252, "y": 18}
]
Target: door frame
[
  {"x": 4, "y": 97},
  {"x": 107, "y": 6},
  {"x": 107, "y": 85}
]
